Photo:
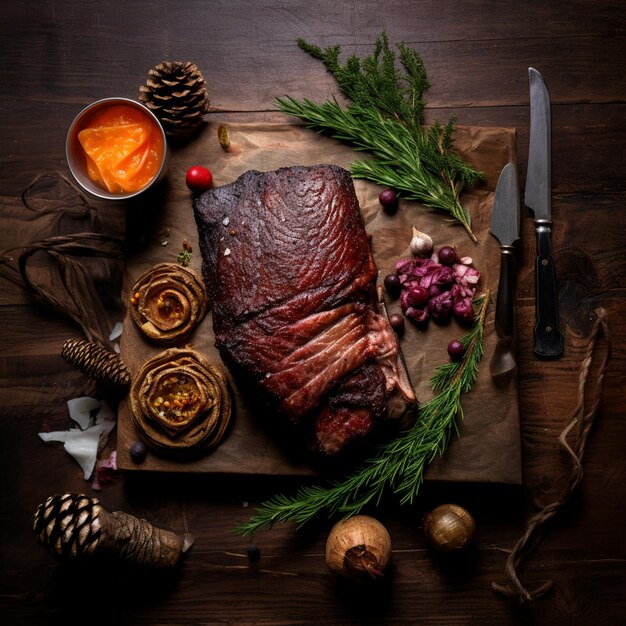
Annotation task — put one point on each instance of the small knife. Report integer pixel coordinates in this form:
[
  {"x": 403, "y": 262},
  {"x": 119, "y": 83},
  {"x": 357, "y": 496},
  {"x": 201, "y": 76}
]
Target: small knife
[
  {"x": 505, "y": 227},
  {"x": 537, "y": 197}
]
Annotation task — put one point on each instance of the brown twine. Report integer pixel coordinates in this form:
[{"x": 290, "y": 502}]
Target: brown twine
[
  {"x": 71, "y": 289},
  {"x": 53, "y": 192},
  {"x": 581, "y": 424},
  {"x": 62, "y": 270}
]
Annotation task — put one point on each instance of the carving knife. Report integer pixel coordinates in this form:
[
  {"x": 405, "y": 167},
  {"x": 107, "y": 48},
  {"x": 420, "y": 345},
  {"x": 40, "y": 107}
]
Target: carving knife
[
  {"x": 505, "y": 227},
  {"x": 537, "y": 197}
]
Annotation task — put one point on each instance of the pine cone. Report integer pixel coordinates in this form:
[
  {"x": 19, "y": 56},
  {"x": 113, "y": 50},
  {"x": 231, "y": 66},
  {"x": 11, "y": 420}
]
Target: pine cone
[
  {"x": 73, "y": 526},
  {"x": 69, "y": 525},
  {"x": 96, "y": 361},
  {"x": 176, "y": 93}
]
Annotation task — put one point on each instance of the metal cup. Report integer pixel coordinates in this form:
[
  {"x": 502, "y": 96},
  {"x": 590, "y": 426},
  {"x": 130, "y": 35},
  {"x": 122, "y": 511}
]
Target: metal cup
[{"x": 76, "y": 158}]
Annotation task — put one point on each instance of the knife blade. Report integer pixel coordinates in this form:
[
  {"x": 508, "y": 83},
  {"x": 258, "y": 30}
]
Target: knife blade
[
  {"x": 505, "y": 227},
  {"x": 537, "y": 197}
]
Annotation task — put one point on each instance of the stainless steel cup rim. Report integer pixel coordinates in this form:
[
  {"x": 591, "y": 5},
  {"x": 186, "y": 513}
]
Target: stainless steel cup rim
[{"x": 75, "y": 162}]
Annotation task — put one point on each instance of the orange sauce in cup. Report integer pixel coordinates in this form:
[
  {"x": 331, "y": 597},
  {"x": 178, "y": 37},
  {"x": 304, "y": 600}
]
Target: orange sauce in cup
[{"x": 123, "y": 148}]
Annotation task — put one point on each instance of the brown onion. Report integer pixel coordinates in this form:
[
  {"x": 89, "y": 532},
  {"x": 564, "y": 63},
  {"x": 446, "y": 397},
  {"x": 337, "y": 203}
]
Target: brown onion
[
  {"x": 358, "y": 548},
  {"x": 449, "y": 527}
]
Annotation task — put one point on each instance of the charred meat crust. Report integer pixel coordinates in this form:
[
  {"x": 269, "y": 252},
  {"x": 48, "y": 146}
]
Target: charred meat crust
[{"x": 288, "y": 266}]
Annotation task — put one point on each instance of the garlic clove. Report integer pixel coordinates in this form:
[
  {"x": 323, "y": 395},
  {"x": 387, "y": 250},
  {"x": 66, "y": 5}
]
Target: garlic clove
[{"x": 421, "y": 244}]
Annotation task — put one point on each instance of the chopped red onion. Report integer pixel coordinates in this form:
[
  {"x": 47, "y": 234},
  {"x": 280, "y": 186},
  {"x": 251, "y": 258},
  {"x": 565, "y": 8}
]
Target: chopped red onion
[{"x": 451, "y": 289}]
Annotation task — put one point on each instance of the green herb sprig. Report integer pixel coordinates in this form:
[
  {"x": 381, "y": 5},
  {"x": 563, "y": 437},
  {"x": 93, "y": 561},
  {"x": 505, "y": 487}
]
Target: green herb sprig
[
  {"x": 385, "y": 117},
  {"x": 399, "y": 464}
]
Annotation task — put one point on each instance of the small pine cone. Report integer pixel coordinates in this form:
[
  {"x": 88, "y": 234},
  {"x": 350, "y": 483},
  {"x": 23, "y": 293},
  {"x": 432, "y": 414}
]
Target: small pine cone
[
  {"x": 176, "y": 93},
  {"x": 69, "y": 525},
  {"x": 96, "y": 361}
]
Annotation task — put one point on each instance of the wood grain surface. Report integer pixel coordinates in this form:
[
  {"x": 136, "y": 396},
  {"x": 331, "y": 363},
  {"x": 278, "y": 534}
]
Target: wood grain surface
[{"x": 60, "y": 55}]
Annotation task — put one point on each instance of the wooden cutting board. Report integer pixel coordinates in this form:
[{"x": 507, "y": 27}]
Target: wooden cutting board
[{"x": 488, "y": 448}]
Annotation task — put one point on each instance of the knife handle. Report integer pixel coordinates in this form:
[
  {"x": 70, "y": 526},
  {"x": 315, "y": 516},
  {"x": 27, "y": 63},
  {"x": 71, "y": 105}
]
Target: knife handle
[
  {"x": 548, "y": 338},
  {"x": 504, "y": 319}
]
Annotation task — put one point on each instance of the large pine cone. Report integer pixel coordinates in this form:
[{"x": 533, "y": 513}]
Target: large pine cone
[
  {"x": 176, "y": 93},
  {"x": 73, "y": 526},
  {"x": 69, "y": 525}
]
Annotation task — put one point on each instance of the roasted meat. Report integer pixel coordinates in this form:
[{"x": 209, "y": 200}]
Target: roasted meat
[{"x": 288, "y": 265}]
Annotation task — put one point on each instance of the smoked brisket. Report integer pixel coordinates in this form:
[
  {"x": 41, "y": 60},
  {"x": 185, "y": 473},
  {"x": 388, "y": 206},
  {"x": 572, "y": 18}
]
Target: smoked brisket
[{"x": 288, "y": 266}]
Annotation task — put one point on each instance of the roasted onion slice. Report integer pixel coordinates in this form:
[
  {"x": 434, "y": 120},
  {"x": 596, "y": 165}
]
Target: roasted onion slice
[
  {"x": 167, "y": 302},
  {"x": 180, "y": 402}
]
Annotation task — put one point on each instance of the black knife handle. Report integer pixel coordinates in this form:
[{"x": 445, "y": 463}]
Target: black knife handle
[
  {"x": 548, "y": 338},
  {"x": 504, "y": 320}
]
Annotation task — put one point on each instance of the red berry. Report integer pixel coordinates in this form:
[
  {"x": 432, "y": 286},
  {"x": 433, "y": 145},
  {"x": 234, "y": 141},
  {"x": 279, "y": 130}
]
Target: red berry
[
  {"x": 456, "y": 349},
  {"x": 447, "y": 255},
  {"x": 388, "y": 199},
  {"x": 199, "y": 178},
  {"x": 393, "y": 285},
  {"x": 396, "y": 321},
  {"x": 138, "y": 451},
  {"x": 417, "y": 297}
]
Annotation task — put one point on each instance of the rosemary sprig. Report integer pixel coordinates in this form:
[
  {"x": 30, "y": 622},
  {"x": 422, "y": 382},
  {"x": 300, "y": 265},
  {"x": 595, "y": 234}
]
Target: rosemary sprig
[
  {"x": 400, "y": 154},
  {"x": 376, "y": 82},
  {"x": 385, "y": 117},
  {"x": 399, "y": 464}
]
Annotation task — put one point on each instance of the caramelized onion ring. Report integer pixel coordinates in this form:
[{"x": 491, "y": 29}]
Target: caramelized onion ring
[
  {"x": 180, "y": 402},
  {"x": 167, "y": 302}
]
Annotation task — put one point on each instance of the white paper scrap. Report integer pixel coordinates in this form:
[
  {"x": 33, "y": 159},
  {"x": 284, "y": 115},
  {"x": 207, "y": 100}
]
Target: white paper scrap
[
  {"x": 116, "y": 333},
  {"x": 80, "y": 410},
  {"x": 84, "y": 443}
]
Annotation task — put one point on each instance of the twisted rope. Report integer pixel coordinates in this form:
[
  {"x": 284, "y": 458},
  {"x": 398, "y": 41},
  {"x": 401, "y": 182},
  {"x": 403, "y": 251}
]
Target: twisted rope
[{"x": 581, "y": 424}]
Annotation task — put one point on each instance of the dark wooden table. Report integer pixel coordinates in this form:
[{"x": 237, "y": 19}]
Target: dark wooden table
[{"x": 58, "y": 56}]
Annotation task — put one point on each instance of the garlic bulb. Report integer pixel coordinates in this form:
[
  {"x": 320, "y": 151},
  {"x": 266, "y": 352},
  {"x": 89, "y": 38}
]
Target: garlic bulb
[
  {"x": 358, "y": 548},
  {"x": 421, "y": 244},
  {"x": 449, "y": 527}
]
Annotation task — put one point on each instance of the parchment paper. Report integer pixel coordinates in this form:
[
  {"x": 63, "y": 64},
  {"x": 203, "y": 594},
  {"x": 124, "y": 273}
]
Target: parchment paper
[{"x": 488, "y": 449}]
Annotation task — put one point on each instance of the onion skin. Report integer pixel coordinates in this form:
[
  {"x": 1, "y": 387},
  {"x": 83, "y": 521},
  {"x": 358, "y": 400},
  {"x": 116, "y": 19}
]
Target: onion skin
[
  {"x": 358, "y": 548},
  {"x": 449, "y": 528}
]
